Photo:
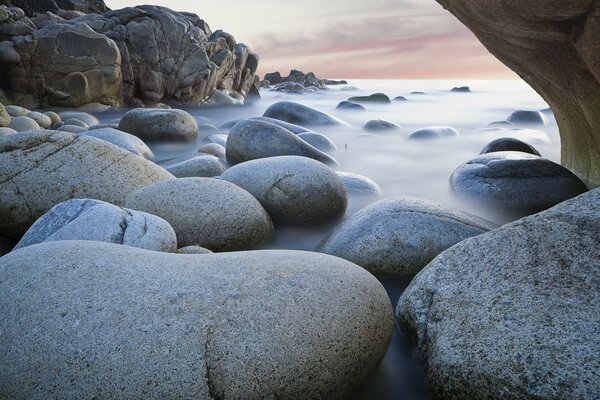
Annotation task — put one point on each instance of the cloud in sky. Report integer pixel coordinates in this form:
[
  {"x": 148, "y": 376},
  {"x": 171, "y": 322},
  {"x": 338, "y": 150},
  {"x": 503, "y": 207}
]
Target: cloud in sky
[{"x": 339, "y": 39}]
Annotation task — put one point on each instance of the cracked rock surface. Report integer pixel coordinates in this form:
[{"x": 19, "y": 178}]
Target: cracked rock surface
[
  {"x": 398, "y": 236},
  {"x": 555, "y": 47},
  {"x": 513, "y": 313},
  {"x": 39, "y": 170},
  {"x": 91, "y": 319},
  {"x": 87, "y": 219}
]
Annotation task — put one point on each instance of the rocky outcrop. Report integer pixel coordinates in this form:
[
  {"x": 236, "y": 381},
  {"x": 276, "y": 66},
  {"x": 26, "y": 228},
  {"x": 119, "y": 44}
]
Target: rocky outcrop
[
  {"x": 135, "y": 56},
  {"x": 554, "y": 46},
  {"x": 32, "y": 7},
  {"x": 296, "y": 76}
]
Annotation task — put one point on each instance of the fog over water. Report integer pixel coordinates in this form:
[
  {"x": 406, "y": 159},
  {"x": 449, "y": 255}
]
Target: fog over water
[{"x": 400, "y": 166}]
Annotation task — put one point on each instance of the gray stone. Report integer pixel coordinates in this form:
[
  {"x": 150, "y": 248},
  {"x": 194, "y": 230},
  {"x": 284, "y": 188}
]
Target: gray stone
[
  {"x": 297, "y": 129},
  {"x": 380, "y": 125},
  {"x": 514, "y": 313},
  {"x": 157, "y": 124},
  {"x": 194, "y": 250},
  {"x": 80, "y": 319},
  {"x": 17, "y": 111},
  {"x": 398, "y": 236},
  {"x": 22, "y": 124},
  {"x": 528, "y": 118},
  {"x": 300, "y": 114},
  {"x": 4, "y": 116},
  {"x": 54, "y": 117},
  {"x": 373, "y": 98},
  {"x": 400, "y": 99},
  {"x": 122, "y": 139},
  {"x": 87, "y": 219},
  {"x": 461, "y": 89},
  {"x": 199, "y": 166},
  {"x": 76, "y": 122},
  {"x": 206, "y": 212},
  {"x": 516, "y": 182},
  {"x": 359, "y": 185},
  {"x": 42, "y": 120},
  {"x": 509, "y": 144},
  {"x": 7, "y": 132},
  {"x": 318, "y": 141},
  {"x": 434, "y": 132},
  {"x": 87, "y": 118},
  {"x": 252, "y": 139},
  {"x": 220, "y": 99},
  {"x": 41, "y": 169},
  {"x": 72, "y": 129},
  {"x": 292, "y": 189},
  {"x": 218, "y": 138},
  {"x": 349, "y": 106},
  {"x": 214, "y": 149}
]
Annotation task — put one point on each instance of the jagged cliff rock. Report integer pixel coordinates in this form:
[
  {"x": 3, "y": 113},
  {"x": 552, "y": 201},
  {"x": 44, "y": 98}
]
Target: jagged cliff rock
[
  {"x": 31, "y": 7},
  {"x": 555, "y": 47},
  {"x": 135, "y": 56}
]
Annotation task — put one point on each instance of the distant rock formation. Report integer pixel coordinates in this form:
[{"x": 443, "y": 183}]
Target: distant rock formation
[
  {"x": 137, "y": 56},
  {"x": 299, "y": 77},
  {"x": 32, "y": 7},
  {"x": 555, "y": 47}
]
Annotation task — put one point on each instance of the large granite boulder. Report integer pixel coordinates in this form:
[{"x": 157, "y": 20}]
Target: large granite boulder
[
  {"x": 87, "y": 219},
  {"x": 207, "y": 212},
  {"x": 554, "y": 46},
  {"x": 299, "y": 114},
  {"x": 515, "y": 182},
  {"x": 157, "y": 124},
  {"x": 89, "y": 319},
  {"x": 514, "y": 313},
  {"x": 122, "y": 139},
  {"x": 39, "y": 170},
  {"x": 133, "y": 56},
  {"x": 292, "y": 189},
  {"x": 398, "y": 236},
  {"x": 252, "y": 139}
]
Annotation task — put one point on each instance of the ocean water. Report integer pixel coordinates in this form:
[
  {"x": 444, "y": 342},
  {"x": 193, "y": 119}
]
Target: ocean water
[{"x": 400, "y": 166}]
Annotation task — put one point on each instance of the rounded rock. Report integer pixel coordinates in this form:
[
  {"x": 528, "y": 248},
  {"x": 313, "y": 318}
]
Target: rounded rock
[
  {"x": 380, "y": 98},
  {"x": 7, "y": 132},
  {"x": 300, "y": 114},
  {"x": 350, "y": 106},
  {"x": 84, "y": 117},
  {"x": 122, "y": 139},
  {"x": 207, "y": 212},
  {"x": 42, "y": 120},
  {"x": 509, "y": 144},
  {"x": 156, "y": 124},
  {"x": 22, "y": 124},
  {"x": 71, "y": 129},
  {"x": 206, "y": 166},
  {"x": 79, "y": 316},
  {"x": 528, "y": 118},
  {"x": 359, "y": 185},
  {"x": 41, "y": 169},
  {"x": 380, "y": 125},
  {"x": 434, "y": 132},
  {"x": 296, "y": 190},
  {"x": 87, "y": 219},
  {"x": 252, "y": 139},
  {"x": 194, "y": 250},
  {"x": 17, "y": 111},
  {"x": 516, "y": 182},
  {"x": 397, "y": 237},
  {"x": 318, "y": 141}
]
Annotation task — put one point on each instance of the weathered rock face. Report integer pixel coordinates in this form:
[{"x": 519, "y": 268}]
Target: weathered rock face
[
  {"x": 548, "y": 43},
  {"x": 89, "y": 319},
  {"x": 31, "y": 7},
  {"x": 514, "y": 313},
  {"x": 134, "y": 56},
  {"x": 41, "y": 169}
]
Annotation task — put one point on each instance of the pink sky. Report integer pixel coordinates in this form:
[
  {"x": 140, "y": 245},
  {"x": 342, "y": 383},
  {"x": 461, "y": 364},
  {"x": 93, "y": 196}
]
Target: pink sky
[{"x": 402, "y": 39}]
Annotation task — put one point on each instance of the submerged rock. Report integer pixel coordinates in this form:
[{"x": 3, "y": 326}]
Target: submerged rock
[
  {"x": 253, "y": 139},
  {"x": 397, "y": 237},
  {"x": 318, "y": 141},
  {"x": 300, "y": 114},
  {"x": 87, "y": 219},
  {"x": 400, "y": 99},
  {"x": 516, "y": 182},
  {"x": 434, "y": 132},
  {"x": 373, "y": 98},
  {"x": 206, "y": 212},
  {"x": 292, "y": 189},
  {"x": 380, "y": 125},
  {"x": 157, "y": 124},
  {"x": 122, "y": 139},
  {"x": 359, "y": 185},
  {"x": 283, "y": 324},
  {"x": 39, "y": 170},
  {"x": 514, "y": 313},
  {"x": 528, "y": 118},
  {"x": 509, "y": 144},
  {"x": 461, "y": 89},
  {"x": 349, "y": 106}
]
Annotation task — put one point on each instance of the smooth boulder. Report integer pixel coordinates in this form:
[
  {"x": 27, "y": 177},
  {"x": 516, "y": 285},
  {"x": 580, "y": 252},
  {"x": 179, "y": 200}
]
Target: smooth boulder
[
  {"x": 528, "y": 118},
  {"x": 434, "y": 132},
  {"x": 206, "y": 166},
  {"x": 359, "y": 185},
  {"x": 515, "y": 182},
  {"x": 318, "y": 141},
  {"x": 87, "y": 219},
  {"x": 514, "y": 313},
  {"x": 509, "y": 144},
  {"x": 251, "y": 139},
  {"x": 296, "y": 190},
  {"x": 398, "y": 236},
  {"x": 39, "y": 170},
  {"x": 380, "y": 125},
  {"x": 89, "y": 319},
  {"x": 380, "y": 98},
  {"x": 23, "y": 124},
  {"x": 157, "y": 124},
  {"x": 299, "y": 114},
  {"x": 122, "y": 139},
  {"x": 350, "y": 106},
  {"x": 207, "y": 212}
]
